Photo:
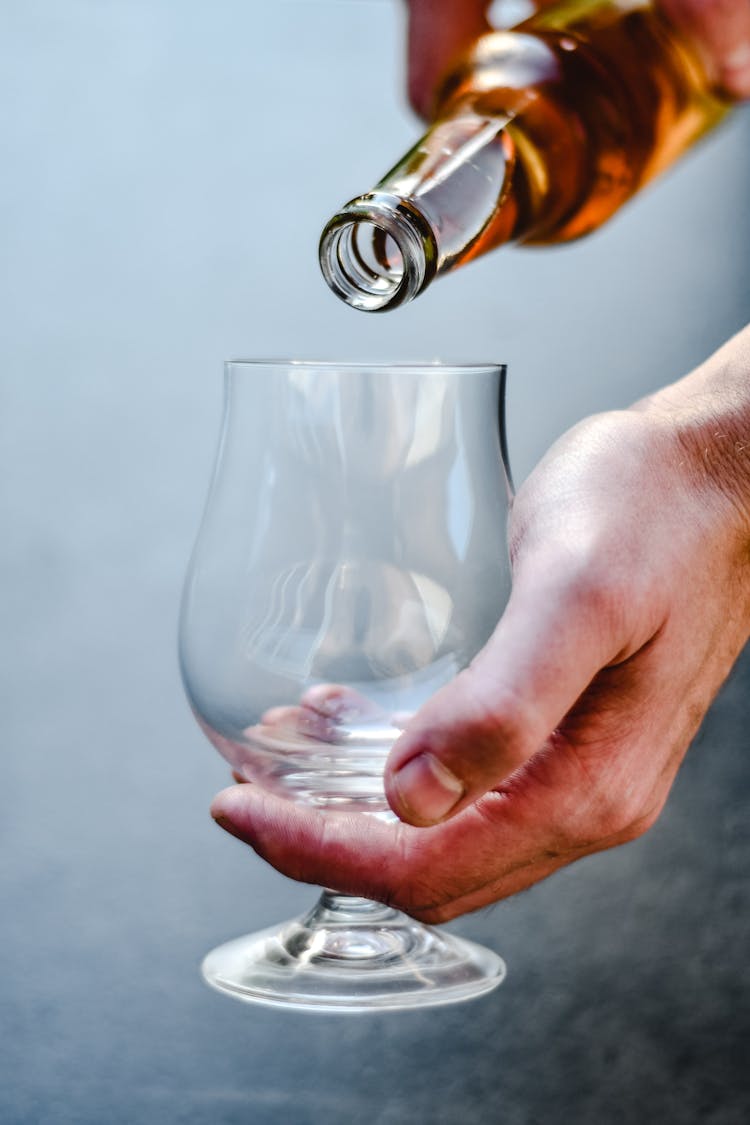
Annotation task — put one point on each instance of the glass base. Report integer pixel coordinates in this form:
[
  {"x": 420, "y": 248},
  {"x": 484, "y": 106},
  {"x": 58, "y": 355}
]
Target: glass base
[{"x": 352, "y": 955}]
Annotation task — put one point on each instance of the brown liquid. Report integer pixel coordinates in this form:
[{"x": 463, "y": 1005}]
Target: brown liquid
[
  {"x": 600, "y": 100},
  {"x": 540, "y": 134}
]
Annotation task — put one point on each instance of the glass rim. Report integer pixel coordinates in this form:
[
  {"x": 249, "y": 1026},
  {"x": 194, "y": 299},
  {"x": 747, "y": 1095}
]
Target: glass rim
[{"x": 413, "y": 366}]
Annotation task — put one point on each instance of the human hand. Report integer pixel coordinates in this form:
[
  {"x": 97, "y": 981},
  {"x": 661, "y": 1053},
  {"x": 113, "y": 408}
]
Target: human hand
[
  {"x": 440, "y": 30},
  {"x": 721, "y": 29},
  {"x": 630, "y": 603}
]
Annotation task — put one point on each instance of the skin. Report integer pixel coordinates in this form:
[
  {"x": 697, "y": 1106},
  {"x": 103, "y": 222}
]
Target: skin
[{"x": 630, "y": 547}]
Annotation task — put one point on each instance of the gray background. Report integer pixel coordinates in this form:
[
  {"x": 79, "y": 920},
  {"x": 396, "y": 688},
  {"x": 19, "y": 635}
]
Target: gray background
[{"x": 166, "y": 170}]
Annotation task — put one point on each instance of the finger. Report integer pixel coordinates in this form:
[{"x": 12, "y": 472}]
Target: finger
[
  {"x": 721, "y": 31},
  {"x": 340, "y": 703},
  {"x": 553, "y": 639},
  {"x": 350, "y": 853},
  {"x": 438, "y": 30},
  {"x": 498, "y": 847},
  {"x": 389, "y": 862},
  {"x": 595, "y": 783}
]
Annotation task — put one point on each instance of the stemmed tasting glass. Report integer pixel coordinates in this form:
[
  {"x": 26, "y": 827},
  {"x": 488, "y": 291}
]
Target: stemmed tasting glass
[{"x": 351, "y": 560}]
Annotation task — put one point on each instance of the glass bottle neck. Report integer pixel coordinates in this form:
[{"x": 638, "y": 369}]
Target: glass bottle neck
[
  {"x": 378, "y": 252},
  {"x": 383, "y": 248},
  {"x": 543, "y": 134}
]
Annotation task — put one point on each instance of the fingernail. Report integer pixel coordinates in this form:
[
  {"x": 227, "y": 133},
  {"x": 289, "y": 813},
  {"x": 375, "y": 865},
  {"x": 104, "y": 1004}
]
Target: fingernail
[{"x": 427, "y": 788}]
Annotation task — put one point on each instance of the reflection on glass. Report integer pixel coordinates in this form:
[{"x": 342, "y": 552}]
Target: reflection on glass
[{"x": 351, "y": 561}]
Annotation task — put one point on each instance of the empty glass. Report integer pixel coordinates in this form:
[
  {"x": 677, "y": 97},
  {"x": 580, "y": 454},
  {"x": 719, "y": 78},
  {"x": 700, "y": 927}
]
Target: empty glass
[{"x": 351, "y": 560}]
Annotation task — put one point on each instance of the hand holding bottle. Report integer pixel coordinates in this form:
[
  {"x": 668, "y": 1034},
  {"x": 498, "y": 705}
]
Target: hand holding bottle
[
  {"x": 538, "y": 135},
  {"x": 440, "y": 32}
]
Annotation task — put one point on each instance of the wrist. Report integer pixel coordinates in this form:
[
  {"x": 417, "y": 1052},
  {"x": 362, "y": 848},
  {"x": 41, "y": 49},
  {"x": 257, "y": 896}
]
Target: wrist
[{"x": 708, "y": 415}]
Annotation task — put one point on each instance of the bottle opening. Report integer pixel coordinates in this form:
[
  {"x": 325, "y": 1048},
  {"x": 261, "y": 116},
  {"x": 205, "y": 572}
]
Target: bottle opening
[
  {"x": 377, "y": 253},
  {"x": 371, "y": 258}
]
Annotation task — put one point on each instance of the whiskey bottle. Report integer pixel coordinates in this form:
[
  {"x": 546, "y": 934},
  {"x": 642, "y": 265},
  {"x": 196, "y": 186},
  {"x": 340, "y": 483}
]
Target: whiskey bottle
[{"x": 540, "y": 134}]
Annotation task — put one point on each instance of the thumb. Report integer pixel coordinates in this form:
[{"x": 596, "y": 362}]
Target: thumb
[{"x": 547, "y": 648}]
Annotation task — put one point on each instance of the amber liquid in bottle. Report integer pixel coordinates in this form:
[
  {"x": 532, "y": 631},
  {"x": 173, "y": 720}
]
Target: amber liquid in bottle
[{"x": 540, "y": 135}]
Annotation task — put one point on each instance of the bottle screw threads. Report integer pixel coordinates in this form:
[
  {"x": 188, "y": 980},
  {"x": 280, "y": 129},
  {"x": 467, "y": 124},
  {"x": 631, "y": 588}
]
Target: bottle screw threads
[{"x": 378, "y": 252}]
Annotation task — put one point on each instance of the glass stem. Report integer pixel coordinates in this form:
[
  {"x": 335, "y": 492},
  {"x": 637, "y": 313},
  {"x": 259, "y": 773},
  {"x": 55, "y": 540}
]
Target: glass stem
[{"x": 332, "y": 906}]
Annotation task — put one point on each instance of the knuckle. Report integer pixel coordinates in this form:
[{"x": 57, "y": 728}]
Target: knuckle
[
  {"x": 598, "y": 590},
  {"x": 601, "y": 804},
  {"x": 594, "y": 585},
  {"x": 609, "y": 816},
  {"x": 496, "y": 724}
]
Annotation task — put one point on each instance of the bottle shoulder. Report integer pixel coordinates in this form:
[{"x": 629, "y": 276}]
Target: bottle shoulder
[{"x": 612, "y": 43}]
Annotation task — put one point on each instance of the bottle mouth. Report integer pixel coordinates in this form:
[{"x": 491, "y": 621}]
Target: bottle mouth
[{"x": 378, "y": 252}]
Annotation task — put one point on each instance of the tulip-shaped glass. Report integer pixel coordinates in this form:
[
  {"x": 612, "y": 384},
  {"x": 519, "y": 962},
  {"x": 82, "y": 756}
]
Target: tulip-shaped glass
[{"x": 351, "y": 561}]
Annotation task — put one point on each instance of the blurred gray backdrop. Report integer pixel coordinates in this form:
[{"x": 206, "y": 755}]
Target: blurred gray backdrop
[{"x": 167, "y": 168}]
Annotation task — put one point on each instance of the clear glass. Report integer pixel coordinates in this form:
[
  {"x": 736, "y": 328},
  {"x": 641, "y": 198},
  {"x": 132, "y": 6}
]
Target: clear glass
[{"x": 351, "y": 560}]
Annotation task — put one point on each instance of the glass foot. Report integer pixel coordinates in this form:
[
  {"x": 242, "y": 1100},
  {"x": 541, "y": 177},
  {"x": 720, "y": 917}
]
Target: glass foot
[{"x": 353, "y": 955}]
